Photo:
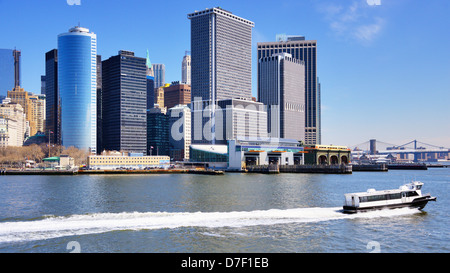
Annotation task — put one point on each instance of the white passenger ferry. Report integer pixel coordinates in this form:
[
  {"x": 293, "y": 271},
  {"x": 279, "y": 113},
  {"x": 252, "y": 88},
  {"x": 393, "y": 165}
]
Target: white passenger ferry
[{"x": 409, "y": 195}]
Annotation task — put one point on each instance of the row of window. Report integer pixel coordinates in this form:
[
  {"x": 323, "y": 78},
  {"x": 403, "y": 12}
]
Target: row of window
[{"x": 384, "y": 197}]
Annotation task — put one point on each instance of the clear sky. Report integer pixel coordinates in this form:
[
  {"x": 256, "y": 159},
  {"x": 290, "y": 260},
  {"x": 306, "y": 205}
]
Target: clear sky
[{"x": 384, "y": 65}]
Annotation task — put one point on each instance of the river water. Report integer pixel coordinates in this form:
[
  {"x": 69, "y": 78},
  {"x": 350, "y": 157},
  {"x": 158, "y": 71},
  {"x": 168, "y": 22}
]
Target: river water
[{"x": 230, "y": 213}]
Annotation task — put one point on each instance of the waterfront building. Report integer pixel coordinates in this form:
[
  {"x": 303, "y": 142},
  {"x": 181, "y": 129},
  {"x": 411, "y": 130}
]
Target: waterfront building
[
  {"x": 281, "y": 87},
  {"x": 13, "y": 124},
  {"x": 124, "y": 103},
  {"x": 177, "y": 93},
  {"x": 159, "y": 71},
  {"x": 77, "y": 83},
  {"x": 186, "y": 69},
  {"x": 306, "y": 51},
  {"x": 52, "y": 98},
  {"x": 221, "y": 61},
  {"x": 157, "y": 132},
  {"x": 126, "y": 161},
  {"x": 240, "y": 153},
  {"x": 9, "y": 70},
  {"x": 179, "y": 132},
  {"x": 327, "y": 154}
]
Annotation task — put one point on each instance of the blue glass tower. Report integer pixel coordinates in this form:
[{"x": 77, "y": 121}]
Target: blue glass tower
[{"x": 77, "y": 81}]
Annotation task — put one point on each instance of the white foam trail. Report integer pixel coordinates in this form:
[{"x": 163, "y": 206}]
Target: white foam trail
[{"x": 53, "y": 227}]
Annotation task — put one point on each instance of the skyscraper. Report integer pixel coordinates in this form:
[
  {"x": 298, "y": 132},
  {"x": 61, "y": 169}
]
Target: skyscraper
[
  {"x": 150, "y": 83},
  {"x": 281, "y": 87},
  {"x": 159, "y": 70},
  {"x": 124, "y": 103},
  {"x": 77, "y": 81},
  {"x": 9, "y": 70},
  {"x": 221, "y": 54},
  {"x": 186, "y": 69},
  {"x": 177, "y": 93},
  {"x": 221, "y": 62},
  {"x": 306, "y": 51},
  {"x": 52, "y": 102}
]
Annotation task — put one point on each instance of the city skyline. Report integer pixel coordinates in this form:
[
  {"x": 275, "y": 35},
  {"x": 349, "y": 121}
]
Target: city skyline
[{"x": 382, "y": 68}]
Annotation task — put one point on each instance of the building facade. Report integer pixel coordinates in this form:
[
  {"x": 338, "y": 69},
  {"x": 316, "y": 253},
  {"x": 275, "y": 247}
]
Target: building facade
[
  {"x": 221, "y": 60},
  {"x": 13, "y": 124},
  {"x": 186, "y": 69},
  {"x": 32, "y": 106},
  {"x": 306, "y": 51},
  {"x": 159, "y": 71},
  {"x": 77, "y": 83},
  {"x": 52, "y": 98},
  {"x": 124, "y": 103},
  {"x": 177, "y": 93},
  {"x": 179, "y": 132},
  {"x": 128, "y": 161},
  {"x": 157, "y": 132},
  {"x": 281, "y": 87}
]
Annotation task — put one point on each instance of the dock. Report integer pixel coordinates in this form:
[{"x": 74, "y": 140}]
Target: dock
[
  {"x": 407, "y": 166},
  {"x": 324, "y": 169},
  {"x": 108, "y": 172},
  {"x": 370, "y": 167}
]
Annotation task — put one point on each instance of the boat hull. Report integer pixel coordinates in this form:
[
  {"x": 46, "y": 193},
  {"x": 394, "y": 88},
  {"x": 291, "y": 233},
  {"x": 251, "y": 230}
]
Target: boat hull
[{"x": 419, "y": 203}]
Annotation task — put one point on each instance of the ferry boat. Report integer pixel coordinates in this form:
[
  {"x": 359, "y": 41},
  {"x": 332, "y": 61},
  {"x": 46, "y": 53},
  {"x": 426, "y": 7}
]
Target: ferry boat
[{"x": 408, "y": 195}]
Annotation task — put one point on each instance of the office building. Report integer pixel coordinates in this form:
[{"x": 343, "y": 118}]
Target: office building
[
  {"x": 24, "y": 98},
  {"x": 99, "y": 105},
  {"x": 157, "y": 132},
  {"x": 186, "y": 69},
  {"x": 281, "y": 87},
  {"x": 306, "y": 51},
  {"x": 9, "y": 70},
  {"x": 177, "y": 93},
  {"x": 233, "y": 118},
  {"x": 124, "y": 103},
  {"x": 13, "y": 124},
  {"x": 221, "y": 61},
  {"x": 38, "y": 112},
  {"x": 52, "y": 98},
  {"x": 159, "y": 71},
  {"x": 150, "y": 83},
  {"x": 180, "y": 132},
  {"x": 77, "y": 83}
]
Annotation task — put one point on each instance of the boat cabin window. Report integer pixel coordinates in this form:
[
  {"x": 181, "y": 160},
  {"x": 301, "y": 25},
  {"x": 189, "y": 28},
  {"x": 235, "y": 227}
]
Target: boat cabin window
[
  {"x": 381, "y": 197},
  {"x": 419, "y": 187}
]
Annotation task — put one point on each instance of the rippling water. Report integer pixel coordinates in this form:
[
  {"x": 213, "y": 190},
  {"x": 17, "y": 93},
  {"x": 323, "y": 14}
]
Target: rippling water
[{"x": 230, "y": 213}]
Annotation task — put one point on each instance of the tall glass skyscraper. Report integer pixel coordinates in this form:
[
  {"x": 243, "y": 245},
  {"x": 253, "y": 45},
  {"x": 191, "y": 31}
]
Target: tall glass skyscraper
[
  {"x": 77, "y": 81},
  {"x": 306, "y": 51}
]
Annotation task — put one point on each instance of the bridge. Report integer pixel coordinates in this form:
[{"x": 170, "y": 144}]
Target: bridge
[{"x": 414, "y": 150}]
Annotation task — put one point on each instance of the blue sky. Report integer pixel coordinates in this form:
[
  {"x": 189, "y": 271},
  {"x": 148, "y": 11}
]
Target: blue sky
[{"x": 384, "y": 65}]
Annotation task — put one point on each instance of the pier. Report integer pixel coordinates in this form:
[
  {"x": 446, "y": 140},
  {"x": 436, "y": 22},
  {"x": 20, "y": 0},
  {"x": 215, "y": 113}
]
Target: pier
[
  {"x": 276, "y": 169},
  {"x": 370, "y": 167},
  {"x": 103, "y": 172}
]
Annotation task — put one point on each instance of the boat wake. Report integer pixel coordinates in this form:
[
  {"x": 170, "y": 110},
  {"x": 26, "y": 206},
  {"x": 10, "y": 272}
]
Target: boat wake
[{"x": 60, "y": 226}]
